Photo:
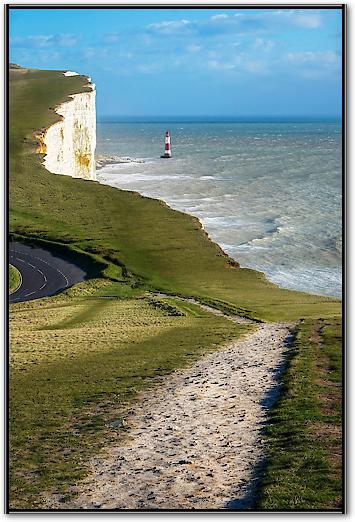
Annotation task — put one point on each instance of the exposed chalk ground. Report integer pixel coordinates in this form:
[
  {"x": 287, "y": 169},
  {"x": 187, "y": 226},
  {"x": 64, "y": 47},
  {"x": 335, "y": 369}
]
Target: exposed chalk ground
[{"x": 195, "y": 441}]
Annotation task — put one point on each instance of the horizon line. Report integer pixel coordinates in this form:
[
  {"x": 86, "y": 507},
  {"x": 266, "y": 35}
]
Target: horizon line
[{"x": 220, "y": 117}]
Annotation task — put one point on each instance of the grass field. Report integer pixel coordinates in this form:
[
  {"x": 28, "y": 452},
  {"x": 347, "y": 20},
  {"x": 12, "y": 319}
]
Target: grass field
[
  {"x": 156, "y": 246},
  {"x": 304, "y": 469},
  {"x": 14, "y": 279},
  {"x": 76, "y": 363},
  {"x": 78, "y": 359}
]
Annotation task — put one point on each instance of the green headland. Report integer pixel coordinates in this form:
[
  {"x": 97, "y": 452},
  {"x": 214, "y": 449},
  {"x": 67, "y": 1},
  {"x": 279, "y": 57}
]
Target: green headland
[
  {"x": 136, "y": 239},
  {"x": 76, "y": 359}
]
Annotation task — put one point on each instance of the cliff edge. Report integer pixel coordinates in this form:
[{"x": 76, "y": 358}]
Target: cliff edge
[
  {"x": 134, "y": 239},
  {"x": 69, "y": 144}
]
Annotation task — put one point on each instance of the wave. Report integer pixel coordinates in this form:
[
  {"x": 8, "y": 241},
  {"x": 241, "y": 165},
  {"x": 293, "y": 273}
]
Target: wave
[
  {"x": 273, "y": 229},
  {"x": 335, "y": 244},
  {"x": 103, "y": 161},
  {"x": 222, "y": 221},
  {"x": 225, "y": 157},
  {"x": 135, "y": 177},
  {"x": 273, "y": 204}
]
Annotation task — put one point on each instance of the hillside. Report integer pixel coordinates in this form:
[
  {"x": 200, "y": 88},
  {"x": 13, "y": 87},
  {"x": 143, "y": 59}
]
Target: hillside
[
  {"x": 78, "y": 361},
  {"x": 156, "y": 246}
]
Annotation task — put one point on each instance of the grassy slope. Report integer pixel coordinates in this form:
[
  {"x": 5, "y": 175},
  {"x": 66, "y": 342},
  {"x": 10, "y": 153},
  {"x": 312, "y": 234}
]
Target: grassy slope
[
  {"x": 14, "y": 279},
  {"x": 305, "y": 458},
  {"x": 164, "y": 248},
  {"x": 76, "y": 362}
]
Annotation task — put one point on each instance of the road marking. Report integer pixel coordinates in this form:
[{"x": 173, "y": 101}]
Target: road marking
[
  {"x": 44, "y": 277},
  {"x": 35, "y": 268},
  {"x": 26, "y": 295},
  {"x": 43, "y": 261},
  {"x": 11, "y": 254},
  {"x": 18, "y": 259}
]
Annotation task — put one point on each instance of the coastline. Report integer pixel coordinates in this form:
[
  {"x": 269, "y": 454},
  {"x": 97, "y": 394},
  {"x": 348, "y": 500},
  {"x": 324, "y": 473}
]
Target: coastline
[
  {"x": 117, "y": 161},
  {"x": 103, "y": 161},
  {"x": 104, "y": 343}
]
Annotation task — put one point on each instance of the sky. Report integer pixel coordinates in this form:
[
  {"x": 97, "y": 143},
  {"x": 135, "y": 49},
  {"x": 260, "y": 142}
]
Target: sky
[{"x": 191, "y": 62}]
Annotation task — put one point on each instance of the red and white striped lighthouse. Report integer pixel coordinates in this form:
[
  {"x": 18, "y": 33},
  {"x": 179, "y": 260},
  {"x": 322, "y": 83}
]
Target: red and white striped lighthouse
[{"x": 167, "y": 150}]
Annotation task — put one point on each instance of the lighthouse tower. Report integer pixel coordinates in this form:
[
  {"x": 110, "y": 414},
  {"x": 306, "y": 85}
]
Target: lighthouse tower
[{"x": 167, "y": 150}]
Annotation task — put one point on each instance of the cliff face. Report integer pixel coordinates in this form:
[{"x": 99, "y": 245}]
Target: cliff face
[{"x": 69, "y": 145}]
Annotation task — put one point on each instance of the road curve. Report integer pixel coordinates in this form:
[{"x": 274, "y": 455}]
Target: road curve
[{"x": 43, "y": 273}]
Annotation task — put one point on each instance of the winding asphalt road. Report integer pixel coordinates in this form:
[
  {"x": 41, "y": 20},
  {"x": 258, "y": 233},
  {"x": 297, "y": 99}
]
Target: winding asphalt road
[{"x": 43, "y": 273}]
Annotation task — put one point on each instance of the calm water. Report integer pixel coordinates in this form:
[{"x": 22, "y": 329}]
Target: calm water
[{"x": 268, "y": 193}]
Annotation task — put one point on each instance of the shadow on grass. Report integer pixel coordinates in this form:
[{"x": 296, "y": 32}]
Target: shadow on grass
[{"x": 251, "y": 488}]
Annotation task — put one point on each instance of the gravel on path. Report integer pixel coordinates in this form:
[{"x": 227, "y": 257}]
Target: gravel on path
[{"x": 195, "y": 441}]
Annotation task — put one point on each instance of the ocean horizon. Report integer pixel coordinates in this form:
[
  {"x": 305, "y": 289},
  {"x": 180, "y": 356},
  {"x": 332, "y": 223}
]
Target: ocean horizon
[
  {"x": 268, "y": 192},
  {"x": 217, "y": 119}
]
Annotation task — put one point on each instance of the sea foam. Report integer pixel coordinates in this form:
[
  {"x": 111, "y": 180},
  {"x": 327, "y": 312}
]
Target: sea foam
[{"x": 269, "y": 194}]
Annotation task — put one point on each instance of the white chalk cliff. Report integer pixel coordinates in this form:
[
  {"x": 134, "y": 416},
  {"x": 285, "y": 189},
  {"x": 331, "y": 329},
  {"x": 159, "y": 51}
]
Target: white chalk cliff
[{"x": 69, "y": 145}]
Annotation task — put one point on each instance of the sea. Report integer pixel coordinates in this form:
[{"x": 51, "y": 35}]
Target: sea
[{"x": 268, "y": 192}]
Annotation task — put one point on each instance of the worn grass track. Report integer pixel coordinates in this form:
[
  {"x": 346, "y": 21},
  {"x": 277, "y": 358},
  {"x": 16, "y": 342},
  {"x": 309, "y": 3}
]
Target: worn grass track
[
  {"x": 74, "y": 371},
  {"x": 194, "y": 444}
]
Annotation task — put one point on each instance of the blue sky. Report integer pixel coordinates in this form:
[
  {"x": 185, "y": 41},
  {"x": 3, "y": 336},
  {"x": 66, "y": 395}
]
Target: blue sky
[{"x": 227, "y": 62}]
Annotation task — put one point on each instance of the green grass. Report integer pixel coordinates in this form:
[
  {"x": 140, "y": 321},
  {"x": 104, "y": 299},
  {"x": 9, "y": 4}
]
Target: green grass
[
  {"x": 304, "y": 469},
  {"x": 14, "y": 279},
  {"x": 78, "y": 359},
  {"x": 76, "y": 365},
  {"x": 126, "y": 234},
  {"x": 188, "y": 308}
]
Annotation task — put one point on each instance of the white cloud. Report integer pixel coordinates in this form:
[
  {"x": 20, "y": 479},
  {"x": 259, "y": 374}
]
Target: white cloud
[
  {"x": 193, "y": 48},
  {"x": 265, "y": 45},
  {"x": 221, "y": 16},
  {"x": 310, "y": 64},
  {"x": 111, "y": 37},
  {"x": 217, "y": 64},
  {"x": 66, "y": 40},
  {"x": 299, "y": 17},
  {"x": 311, "y": 21},
  {"x": 89, "y": 53},
  {"x": 43, "y": 56},
  {"x": 329, "y": 57},
  {"x": 148, "y": 68},
  {"x": 242, "y": 63},
  {"x": 256, "y": 67},
  {"x": 48, "y": 40},
  {"x": 41, "y": 40},
  {"x": 170, "y": 27}
]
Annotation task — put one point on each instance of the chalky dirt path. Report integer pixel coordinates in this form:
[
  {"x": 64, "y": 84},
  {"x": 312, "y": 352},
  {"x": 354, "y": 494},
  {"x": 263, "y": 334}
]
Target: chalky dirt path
[{"x": 195, "y": 441}]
